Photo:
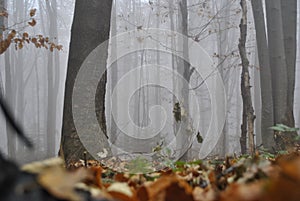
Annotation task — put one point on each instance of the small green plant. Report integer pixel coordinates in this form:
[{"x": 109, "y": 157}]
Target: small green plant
[
  {"x": 283, "y": 128},
  {"x": 139, "y": 165}
]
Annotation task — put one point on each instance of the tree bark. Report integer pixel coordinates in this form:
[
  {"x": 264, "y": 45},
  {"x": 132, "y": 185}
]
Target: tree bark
[
  {"x": 53, "y": 81},
  {"x": 289, "y": 22},
  {"x": 277, "y": 59},
  {"x": 248, "y": 112},
  {"x": 267, "y": 115},
  {"x": 91, "y": 26},
  {"x": 277, "y": 37}
]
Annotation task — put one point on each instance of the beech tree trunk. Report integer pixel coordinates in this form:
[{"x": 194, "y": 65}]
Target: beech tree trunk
[
  {"x": 289, "y": 23},
  {"x": 91, "y": 26},
  {"x": 267, "y": 114}
]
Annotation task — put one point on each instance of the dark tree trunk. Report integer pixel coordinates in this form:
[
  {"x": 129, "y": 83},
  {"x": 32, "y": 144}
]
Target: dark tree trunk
[
  {"x": 248, "y": 112},
  {"x": 267, "y": 114},
  {"x": 282, "y": 85},
  {"x": 289, "y": 23},
  {"x": 277, "y": 59},
  {"x": 91, "y": 26}
]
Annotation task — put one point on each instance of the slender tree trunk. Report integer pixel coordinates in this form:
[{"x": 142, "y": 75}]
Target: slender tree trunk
[
  {"x": 248, "y": 112},
  {"x": 53, "y": 80},
  {"x": 267, "y": 113},
  {"x": 183, "y": 69},
  {"x": 2, "y": 26},
  {"x": 114, "y": 74}
]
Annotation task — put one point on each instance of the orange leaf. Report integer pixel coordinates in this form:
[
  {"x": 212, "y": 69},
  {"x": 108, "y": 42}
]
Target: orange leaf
[{"x": 166, "y": 188}]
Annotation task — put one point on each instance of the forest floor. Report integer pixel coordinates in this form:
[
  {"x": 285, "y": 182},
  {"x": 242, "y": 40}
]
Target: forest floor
[{"x": 263, "y": 177}]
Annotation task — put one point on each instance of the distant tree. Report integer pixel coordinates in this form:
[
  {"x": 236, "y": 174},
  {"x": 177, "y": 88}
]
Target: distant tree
[
  {"x": 91, "y": 26},
  {"x": 53, "y": 80},
  {"x": 277, "y": 58},
  {"x": 267, "y": 113}
]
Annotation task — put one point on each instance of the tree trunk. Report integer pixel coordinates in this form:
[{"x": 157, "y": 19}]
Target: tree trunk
[
  {"x": 183, "y": 69},
  {"x": 248, "y": 112},
  {"x": 289, "y": 22},
  {"x": 91, "y": 25},
  {"x": 267, "y": 115},
  {"x": 277, "y": 59},
  {"x": 280, "y": 80},
  {"x": 53, "y": 81}
]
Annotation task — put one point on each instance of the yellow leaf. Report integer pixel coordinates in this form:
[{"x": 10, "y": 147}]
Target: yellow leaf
[{"x": 20, "y": 45}]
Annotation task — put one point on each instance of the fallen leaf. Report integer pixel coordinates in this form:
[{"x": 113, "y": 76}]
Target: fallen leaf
[{"x": 60, "y": 183}]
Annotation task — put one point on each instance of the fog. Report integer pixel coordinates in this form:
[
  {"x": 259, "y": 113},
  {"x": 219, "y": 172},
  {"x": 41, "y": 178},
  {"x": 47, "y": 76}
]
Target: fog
[{"x": 142, "y": 86}]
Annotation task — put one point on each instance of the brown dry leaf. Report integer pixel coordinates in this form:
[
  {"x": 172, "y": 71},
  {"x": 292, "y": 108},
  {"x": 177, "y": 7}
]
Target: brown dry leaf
[
  {"x": 34, "y": 40},
  {"x": 97, "y": 172},
  {"x": 3, "y": 14},
  {"x": 60, "y": 183},
  {"x": 4, "y": 44},
  {"x": 244, "y": 192},
  {"x": 20, "y": 45},
  {"x": 201, "y": 194},
  {"x": 290, "y": 165},
  {"x": 25, "y": 35},
  {"x": 32, "y": 23},
  {"x": 11, "y": 35},
  {"x": 32, "y": 12},
  {"x": 166, "y": 188},
  {"x": 122, "y": 192},
  {"x": 286, "y": 185},
  {"x": 40, "y": 166}
]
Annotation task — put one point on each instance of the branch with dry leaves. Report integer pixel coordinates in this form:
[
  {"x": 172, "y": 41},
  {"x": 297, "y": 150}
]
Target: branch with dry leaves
[{"x": 19, "y": 39}]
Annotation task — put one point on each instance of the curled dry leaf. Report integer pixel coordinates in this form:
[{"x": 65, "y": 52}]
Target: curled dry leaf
[
  {"x": 166, "y": 188},
  {"x": 32, "y": 23},
  {"x": 201, "y": 194},
  {"x": 3, "y": 14},
  {"x": 32, "y": 12},
  {"x": 61, "y": 184},
  {"x": 40, "y": 166},
  {"x": 122, "y": 192}
]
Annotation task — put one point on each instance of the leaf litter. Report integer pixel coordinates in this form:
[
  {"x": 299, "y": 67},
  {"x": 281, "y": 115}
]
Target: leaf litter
[{"x": 243, "y": 178}]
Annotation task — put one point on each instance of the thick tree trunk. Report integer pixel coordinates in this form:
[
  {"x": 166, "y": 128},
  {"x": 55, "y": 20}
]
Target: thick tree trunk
[
  {"x": 267, "y": 114},
  {"x": 277, "y": 59},
  {"x": 280, "y": 74},
  {"x": 248, "y": 112},
  {"x": 289, "y": 22},
  {"x": 91, "y": 26}
]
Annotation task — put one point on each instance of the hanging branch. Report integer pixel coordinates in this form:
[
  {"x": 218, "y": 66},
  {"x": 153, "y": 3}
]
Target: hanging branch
[{"x": 248, "y": 111}]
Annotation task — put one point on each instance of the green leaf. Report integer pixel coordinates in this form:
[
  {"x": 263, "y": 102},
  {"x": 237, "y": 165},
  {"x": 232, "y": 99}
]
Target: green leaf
[{"x": 283, "y": 128}]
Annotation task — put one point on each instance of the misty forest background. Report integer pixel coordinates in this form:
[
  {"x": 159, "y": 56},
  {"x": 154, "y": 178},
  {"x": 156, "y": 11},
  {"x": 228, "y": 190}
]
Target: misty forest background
[{"x": 33, "y": 79}]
